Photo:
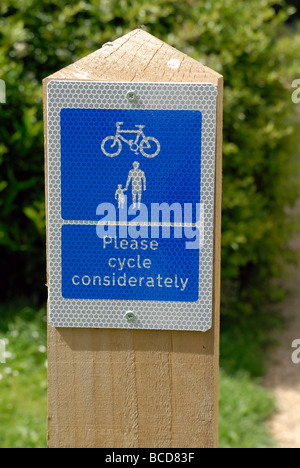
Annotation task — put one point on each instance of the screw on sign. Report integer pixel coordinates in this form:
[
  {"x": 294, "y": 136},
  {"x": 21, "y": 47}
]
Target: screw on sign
[{"x": 129, "y": 309}]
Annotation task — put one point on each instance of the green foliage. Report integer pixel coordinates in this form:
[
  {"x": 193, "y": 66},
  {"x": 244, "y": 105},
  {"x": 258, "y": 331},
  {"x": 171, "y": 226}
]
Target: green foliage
[
  {"x": 23, "y": 380},
  {"x": 245, "y": 41},
  {"x": 244, "y": 407},
  {"x": 245, "y": 344}
]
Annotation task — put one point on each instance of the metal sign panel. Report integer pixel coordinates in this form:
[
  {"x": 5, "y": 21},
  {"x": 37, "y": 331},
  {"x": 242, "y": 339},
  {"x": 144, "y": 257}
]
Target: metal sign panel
[{"x": 131, "y": 169}]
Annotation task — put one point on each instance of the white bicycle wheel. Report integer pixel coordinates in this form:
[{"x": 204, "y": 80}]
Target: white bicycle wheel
[
  {"x": 150, "y": 147},
  {"x": 111, "y": 147}
]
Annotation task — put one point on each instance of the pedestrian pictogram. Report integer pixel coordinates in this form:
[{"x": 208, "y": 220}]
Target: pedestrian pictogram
[{"x": 148, "y": 146}]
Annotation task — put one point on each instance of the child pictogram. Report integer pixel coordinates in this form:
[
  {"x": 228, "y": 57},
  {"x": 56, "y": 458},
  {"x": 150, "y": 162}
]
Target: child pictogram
[{"x": 137, "y": 178}]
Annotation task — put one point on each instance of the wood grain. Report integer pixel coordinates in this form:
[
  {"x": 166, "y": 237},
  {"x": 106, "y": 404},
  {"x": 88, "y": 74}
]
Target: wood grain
[{"x": 137, "y": 388}]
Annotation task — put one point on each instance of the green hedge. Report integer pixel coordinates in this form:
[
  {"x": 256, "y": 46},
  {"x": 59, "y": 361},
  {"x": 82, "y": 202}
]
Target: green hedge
[{"x": 245, "y": 41}]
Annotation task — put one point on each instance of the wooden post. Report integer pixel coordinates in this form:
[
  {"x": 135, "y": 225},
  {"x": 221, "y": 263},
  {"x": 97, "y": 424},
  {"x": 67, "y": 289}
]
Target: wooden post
[{"x": 119, "y": 388}]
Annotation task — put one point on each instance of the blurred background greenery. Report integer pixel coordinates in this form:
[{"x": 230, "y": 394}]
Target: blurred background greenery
[{"x": 255, "y": 45}]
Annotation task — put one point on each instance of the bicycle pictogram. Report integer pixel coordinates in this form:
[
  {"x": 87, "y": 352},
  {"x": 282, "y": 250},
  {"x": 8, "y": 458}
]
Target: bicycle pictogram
[{"x": 148, "y": 146}]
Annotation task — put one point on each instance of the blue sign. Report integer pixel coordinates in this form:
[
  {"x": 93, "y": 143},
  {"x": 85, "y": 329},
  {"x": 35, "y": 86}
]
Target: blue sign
[
  {"x": 150, "y": 156},
  {"x": 131, "y": 204},
  {"x": 129, "y": 158}
]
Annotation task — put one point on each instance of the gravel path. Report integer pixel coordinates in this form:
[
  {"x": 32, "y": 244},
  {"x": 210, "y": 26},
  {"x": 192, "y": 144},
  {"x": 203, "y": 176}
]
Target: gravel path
[{"x": 283, "y": 377}]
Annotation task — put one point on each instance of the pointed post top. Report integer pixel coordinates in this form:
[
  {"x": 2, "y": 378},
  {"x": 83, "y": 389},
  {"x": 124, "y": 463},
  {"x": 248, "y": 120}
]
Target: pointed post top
[{"x": 137, "y": 56}]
